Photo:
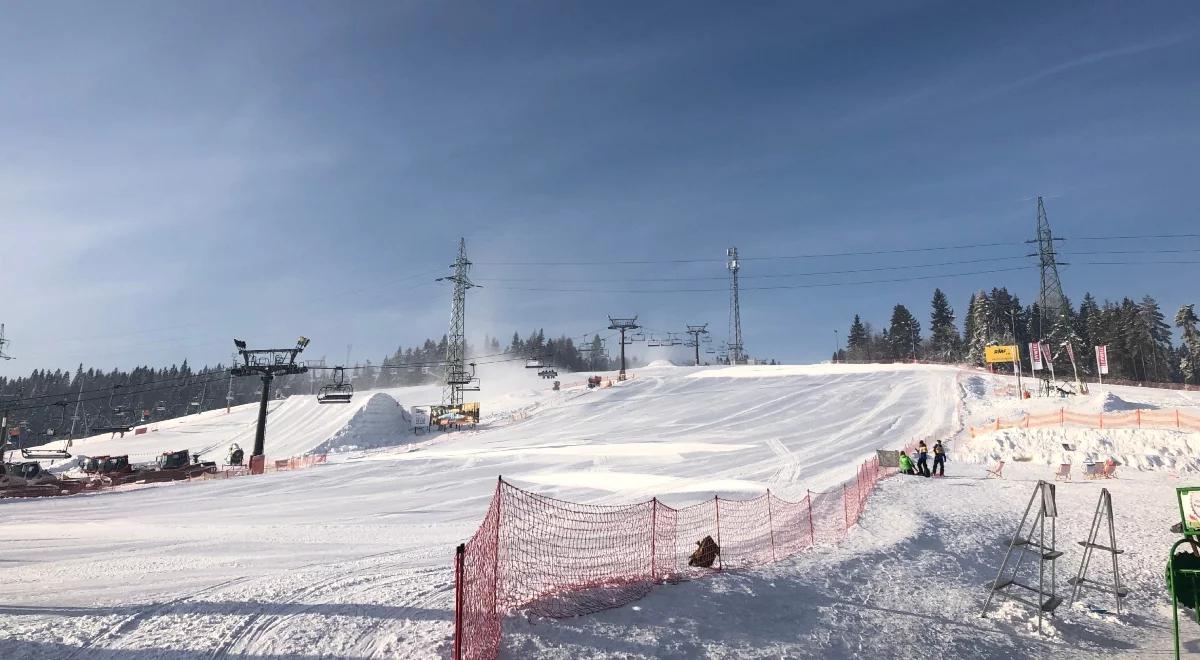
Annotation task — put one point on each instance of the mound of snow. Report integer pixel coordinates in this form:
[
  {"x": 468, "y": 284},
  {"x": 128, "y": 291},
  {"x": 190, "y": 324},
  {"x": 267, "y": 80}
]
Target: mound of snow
[
  {"x": 382, "y": 422},
  {"x": 1110, "y": 402},
  {"x": 659, "y": 363}
]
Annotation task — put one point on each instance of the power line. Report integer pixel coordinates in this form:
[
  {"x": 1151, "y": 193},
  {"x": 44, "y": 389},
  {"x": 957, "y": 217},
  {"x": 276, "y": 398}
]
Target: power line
[
  {"x": 813, "y": 285},
  {"x": 755, "y": 277}
]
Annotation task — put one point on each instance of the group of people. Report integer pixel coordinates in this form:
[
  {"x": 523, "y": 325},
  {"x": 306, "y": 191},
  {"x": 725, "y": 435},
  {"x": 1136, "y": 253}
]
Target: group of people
[{"x": 922, "y": 466}]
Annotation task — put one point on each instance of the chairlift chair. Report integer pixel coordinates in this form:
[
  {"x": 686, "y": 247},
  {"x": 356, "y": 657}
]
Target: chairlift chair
[
  {"x": 534, "y": 364},
  {"x": 548, "y": 374},
  {"x": 337, "y": 391}
]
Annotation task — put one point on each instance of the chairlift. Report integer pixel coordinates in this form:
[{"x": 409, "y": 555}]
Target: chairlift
[
  {"x": 51, "y": 454},
  {"x": 161, "y": 406},
  {"x": 534, "y": 364},
  {"x": 548, "y": 374},
  {"x": 338, "y": 390}
]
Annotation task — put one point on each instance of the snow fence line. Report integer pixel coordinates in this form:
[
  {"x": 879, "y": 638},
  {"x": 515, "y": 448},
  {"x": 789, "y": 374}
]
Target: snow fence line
[
  {"x": 1134, "y": 419},
  {"x": 558, "y": 558}
]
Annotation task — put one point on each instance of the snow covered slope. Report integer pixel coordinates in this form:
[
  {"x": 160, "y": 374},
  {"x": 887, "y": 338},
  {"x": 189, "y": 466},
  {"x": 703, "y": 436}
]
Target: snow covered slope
[{"x": 351, "y": 559}]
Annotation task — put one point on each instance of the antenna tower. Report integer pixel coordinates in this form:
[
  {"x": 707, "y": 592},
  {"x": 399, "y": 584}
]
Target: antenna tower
[
  {"x": 696, "y": 331},
  {"x": 1051, "y": 301},
  {"x": 735, "y": 346},
  {"x": 458, "y": 379}
]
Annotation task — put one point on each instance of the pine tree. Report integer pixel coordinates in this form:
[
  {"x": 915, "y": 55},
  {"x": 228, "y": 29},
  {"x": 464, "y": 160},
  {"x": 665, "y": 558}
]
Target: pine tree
[
  {"x": 943, "y": 335},
  {"x": 1186, "y": 321},
  {"x": 904, "y": 332},
  {"x": 856, "y": 339}
]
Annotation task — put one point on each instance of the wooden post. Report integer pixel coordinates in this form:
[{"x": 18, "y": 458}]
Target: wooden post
[
  {"x": 720, "y": 550},
  {"x": 812, "y": 534},
  {"x": 771, "y": 522},
  {"x": 653, "y": 538}
]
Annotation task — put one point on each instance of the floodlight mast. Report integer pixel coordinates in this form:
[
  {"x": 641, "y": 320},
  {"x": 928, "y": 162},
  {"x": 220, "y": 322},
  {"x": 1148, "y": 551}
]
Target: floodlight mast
[{"x": 266, "y": 363}]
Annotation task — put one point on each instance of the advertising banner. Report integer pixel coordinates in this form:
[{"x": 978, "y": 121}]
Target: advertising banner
[
  {"x": 1102, "y": 359},
  {"x": 1035, "y": 356}
]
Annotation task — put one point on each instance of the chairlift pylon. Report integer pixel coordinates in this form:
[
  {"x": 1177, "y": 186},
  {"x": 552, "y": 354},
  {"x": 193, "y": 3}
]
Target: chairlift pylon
[{"x": 338, "y": 390}]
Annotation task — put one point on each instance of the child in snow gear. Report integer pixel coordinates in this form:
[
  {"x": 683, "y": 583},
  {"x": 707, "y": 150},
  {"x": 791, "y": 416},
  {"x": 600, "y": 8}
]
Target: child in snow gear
[
  {"x": 906, "y": 464},
  {"x": 939, "y": 459},
  {"x": 922, "y": 459},
  {"x": 705, "y": 554}
]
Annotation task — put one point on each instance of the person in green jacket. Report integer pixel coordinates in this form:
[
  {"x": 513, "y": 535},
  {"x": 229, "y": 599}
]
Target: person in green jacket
[{"x": 906, "y": 464}]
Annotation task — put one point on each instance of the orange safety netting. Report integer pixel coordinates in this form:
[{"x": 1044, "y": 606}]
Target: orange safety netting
[
  {"x": 1133, "y": 419},
  {"x": 557, "y": 558}
]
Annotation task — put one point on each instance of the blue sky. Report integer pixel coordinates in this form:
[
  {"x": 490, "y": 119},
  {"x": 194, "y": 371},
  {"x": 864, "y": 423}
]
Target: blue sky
[{"x": 173, "y": 175}]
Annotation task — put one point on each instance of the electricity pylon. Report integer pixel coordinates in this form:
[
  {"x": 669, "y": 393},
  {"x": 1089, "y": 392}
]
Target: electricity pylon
[
  {"x": 1051, "y": 302},
  {"x": 3, "y": 342},
  {"x": 458, "y": 379}
]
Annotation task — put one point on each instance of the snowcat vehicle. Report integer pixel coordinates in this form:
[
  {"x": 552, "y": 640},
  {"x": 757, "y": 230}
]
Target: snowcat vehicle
[
  {"x": 28, "y": 479},
  {"x": 172, "y": 466}
]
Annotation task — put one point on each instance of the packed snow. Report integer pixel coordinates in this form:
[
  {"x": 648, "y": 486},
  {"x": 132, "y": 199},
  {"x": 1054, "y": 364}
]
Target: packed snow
[{"x": 352, "y": 559}]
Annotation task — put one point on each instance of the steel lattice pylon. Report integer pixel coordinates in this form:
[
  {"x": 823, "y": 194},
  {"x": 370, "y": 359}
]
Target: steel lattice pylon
[
  {"x": 457, "y": 377},
  {"x": 1054, "y": 316},
  {"x": 735, "y": 346}
]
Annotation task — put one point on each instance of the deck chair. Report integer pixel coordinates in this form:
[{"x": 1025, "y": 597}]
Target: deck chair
[
  {"x": 1092, "y": 470},
  {"x": 1064, "y": 472},
  {"x": 1109, "y": 470},
  {"x": 997, "y": 471}
]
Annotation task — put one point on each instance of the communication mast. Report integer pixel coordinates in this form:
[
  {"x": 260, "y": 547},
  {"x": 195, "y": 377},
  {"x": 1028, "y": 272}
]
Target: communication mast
[
  {"x": 735, "y": 346},
  {"x": 3, "y": 342},
  {"x": 458, "y": 379}
]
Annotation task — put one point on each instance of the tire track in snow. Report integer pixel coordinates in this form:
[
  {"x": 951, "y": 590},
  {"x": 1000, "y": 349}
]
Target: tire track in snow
[
  {"x": 132, "y": 621},
  {"x": 260, "y": 626}
]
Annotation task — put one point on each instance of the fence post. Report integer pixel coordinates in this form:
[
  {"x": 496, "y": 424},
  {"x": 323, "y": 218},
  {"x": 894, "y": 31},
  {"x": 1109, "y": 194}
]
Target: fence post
[
  {"x": 1101, "y": 420},
  {"x": 458, "y": 599},
  {"x": 1062, "y": 417},
  {"x": 845, "y": 508},
  {"x": 1139, "y": 417},
  {"x": 496, "y": 556},
  {"x": 1176, "y": 418},
  {"x": 812, "y": 534},
  {"x": 720, "y": 550},
  {"x": 654, "y": 539},
  {"x": 771, "y": 522}
]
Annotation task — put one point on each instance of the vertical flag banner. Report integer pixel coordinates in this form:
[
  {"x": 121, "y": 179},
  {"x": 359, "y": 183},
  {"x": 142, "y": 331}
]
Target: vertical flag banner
[
  {"x": 1102, "y": 359},
  {"x": 1035, "y": 356}
]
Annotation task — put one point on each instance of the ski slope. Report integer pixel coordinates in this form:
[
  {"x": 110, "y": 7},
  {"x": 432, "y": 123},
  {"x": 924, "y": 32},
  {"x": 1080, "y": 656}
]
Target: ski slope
[{"x": 352, "y": 559}]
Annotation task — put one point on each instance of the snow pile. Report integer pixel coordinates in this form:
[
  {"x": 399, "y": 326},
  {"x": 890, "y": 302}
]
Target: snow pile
[
  {"x": 381, "y": 422},
  {"x": 1110, "y": 402},
  {"x": 658, "y": 364}
]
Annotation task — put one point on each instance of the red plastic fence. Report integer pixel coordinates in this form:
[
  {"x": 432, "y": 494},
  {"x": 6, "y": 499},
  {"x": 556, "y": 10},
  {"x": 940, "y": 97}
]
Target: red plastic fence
[
  {"x": 1133, "y": 419},
  {"x": 557, "y": 558}
]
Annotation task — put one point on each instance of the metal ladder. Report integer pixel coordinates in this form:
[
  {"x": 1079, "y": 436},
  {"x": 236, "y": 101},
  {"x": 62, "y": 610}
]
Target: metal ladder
[
  {"x": 1031, "y": 541},
  {"x": 1103, "y": 510}
]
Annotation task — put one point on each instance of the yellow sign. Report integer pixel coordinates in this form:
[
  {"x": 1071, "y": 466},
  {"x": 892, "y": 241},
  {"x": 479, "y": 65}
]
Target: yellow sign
[{"x": 1000, "y": 354}]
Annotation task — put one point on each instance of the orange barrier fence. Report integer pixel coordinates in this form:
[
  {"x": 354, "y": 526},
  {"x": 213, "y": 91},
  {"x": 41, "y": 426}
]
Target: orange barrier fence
[{"x": 1133, "y": 419}]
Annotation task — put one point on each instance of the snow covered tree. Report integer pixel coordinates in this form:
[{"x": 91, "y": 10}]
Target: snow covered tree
[
  {"x": 976, "y": 328},
  {"x": 1186, "y": 321},
  {"x": 943, "y": 335}
]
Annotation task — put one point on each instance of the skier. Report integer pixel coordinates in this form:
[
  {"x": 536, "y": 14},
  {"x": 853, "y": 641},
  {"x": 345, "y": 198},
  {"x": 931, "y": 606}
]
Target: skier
[
  {"x": 939, "y": 459},
  {"x": 922, "y": 459},
  {"x": 906, "y": 464}
]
